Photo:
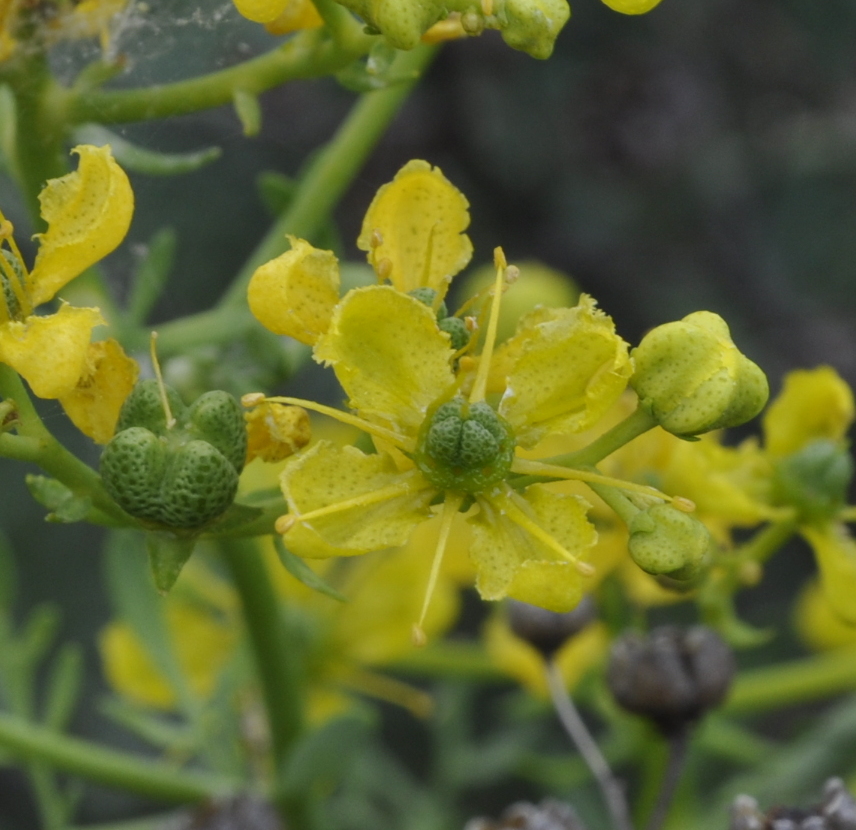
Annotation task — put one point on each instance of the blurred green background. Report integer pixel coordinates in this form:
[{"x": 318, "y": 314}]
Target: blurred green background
[{"x": 700, "y": 156}]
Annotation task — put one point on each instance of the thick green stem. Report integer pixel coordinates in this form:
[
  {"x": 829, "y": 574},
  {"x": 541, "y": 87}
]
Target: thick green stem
[
  {"x": 335, "y": 167},
  {"x": 34, "y": 443},
  {"x": 277, "y": 656},
  {"x": 107, "y": 766},
  {"x": 307, "y": 55}
]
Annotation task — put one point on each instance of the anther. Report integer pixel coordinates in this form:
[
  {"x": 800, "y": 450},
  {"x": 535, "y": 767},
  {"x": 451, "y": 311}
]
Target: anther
[
  {"x": 6, "y": 229},
  {"x": 418, "y": 636},
  {"x": 376, "y": 239},
  {"x": 252, "y": 399},
  {"x": 284, "y": 523},
  {"x": 384, "y": 268},
  {"x": 512, "y": 274},
  {"x": 472, "y": 324},
  {"x": 683, "y": 504},
  {"x": 487, "y": 7}
]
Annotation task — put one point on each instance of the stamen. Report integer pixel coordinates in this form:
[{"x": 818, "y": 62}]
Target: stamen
[
  {"x": 376, "y": 239},
  {"x": 170, "y": 420},
  {"x": 450, "y": 508},
  {"x": 16, "y": 281},
  {"x": 390, "y": 690},
  {"x": 383, "y": 268},
  {"x": 534, "y": 529},
  {"x": 538, "y": 468},
  {"x": 401, "y": 441},
  {"x": 286, "y": 522},
  {"x": 478, "y": 391}
]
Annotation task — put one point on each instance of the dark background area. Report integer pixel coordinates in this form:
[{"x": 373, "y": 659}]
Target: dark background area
[{"x": 700, "y": 156}]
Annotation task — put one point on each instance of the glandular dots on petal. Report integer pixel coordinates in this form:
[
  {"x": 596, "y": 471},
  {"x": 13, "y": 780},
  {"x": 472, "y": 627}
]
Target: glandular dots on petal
[{"x": 465, "y": 448}]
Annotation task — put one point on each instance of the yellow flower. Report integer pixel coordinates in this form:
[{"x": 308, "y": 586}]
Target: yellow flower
[
  {"x": 281, "y": 16},
  {"x": 88, "y": 214},
  {"x": 632, "y": 6}
]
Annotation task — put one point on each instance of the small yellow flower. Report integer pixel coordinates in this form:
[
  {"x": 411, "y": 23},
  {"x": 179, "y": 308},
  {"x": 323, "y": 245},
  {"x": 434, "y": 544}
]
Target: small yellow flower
[
  {"x": 275, "y": 432},
  {"x": 281, "y": 16},
  {"x": 88, "y": 214}
]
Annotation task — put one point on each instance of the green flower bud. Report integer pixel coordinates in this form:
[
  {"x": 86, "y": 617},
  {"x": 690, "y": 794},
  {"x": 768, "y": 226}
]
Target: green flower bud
[
  {"x": 465, "y": 447},
  {"x": 692, "y": 378},
  {"x": 179, "y": 477},
  {"x": 665, "y": 540},
  {"x": 814, "y": 480},
  {"x": 532, "y": 25}
]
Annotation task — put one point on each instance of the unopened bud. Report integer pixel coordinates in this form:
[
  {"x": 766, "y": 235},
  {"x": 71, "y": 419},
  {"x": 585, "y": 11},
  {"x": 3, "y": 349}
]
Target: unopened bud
[
  {"x": 667, "y": 541},
  {"x": 692, "y": 378},
  {"x": 548, "y": 631},
  {"x": 672, "y": 676}
]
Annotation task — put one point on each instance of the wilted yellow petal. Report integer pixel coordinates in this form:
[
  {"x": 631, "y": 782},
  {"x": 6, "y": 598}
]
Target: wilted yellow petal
[
  {"x": 276, "y": 431},
  {"x": 416, "y": 224},
  {"x": 50, "y": 352},
  {"x": 108, "y": 377},
  {"x": 812, "y": 404},
  {"x": 295, "y": 293},
  {"x": 261, "y": 11},
  {"x": 512, "y": 562},
  {"x": 521, "y": 661},
  {"x": 567, "y": 368},
  {"x": 326, "y": 476},
  {"x": 835, "y": 552},
  {"x": 389, "y": 356},
  {"x": 297, "y": 15},
  {"x": 202, "y": 645},
  {"x": 88, "y": 214}
]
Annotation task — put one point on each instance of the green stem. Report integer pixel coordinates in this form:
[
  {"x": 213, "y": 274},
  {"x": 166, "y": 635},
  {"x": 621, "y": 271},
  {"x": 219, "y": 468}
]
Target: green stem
[
  {"x": 634, "y": 425},
  {"x": 108, "y": 766},
  {"x": 334, "y": 167},
  {"x": 276, "y": 658},
  {"x": 217, "y": 325},
  {"x": 306, "y": 55},
  {"x": 799, "y": 681},
  {"x": 34, "y": 443},
  {"x": 618, "y": 501}
]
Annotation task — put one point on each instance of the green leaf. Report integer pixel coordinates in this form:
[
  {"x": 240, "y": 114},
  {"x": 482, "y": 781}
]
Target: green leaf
[
  {"x": 142, "y": 160},
  {"x": 159, "y": 731},
  {"x": 39, "y": 633},
  {"x": 151, "y": 275},
  {"x": 324, "y": 755},
  {"x": 65, "y": 507},
  {"x": 8, "y": 129},
  {"x": 303, "y": 573},
  {"x": 248, "y": 111},
  {"x": 63, "y": 687}
]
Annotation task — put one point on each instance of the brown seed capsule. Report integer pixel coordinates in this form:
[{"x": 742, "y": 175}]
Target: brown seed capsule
[
  {"x": 837, "y": 811},
  {"x": 547, "y": 631},
  {"x": 550, "y": 814},
  {"x": 671, "y": 676},
  {"x": 243, "y": 812}
]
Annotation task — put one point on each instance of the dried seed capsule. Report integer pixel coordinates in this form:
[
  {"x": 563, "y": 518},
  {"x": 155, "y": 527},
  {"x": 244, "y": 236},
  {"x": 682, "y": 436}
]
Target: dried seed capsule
[
  {"x": 547, "y": 631},
  {"x": 550, "y": 814},
  {"x": 671, "y": 676}
]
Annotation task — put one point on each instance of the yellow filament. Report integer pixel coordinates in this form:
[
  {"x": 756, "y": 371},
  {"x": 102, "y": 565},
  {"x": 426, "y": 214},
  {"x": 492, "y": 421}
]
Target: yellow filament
[
  {"x": 534, "y": 529},
  {"x": 478, "y": 391},
  {"x": 170, "y": 420},
  {"x": 450, "y": 507},
  {"x": 390, "y": 690},
  {"x": 285, "y": 523},
  {"x": 401, "y": 441},
  {"x": 538, "y": 468}
]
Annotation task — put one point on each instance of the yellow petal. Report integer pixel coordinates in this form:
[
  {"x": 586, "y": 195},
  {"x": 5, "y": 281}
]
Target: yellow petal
[
  {"x": 108, "y": 377},
  {"x": 567, "y": 368},
  {"x": 261, "y": 11},
  {"x": 389, "y": 355},
  {"x": 297, "y": 15},
  {"x": 275, "y": 431},
  {"x": 374, "y": 627},
  {"x": 521, "y": 661},
  {"x": 419, "y": 220},
  {"x": 295, "y": 293},
  {"x": 818, "y": 626},
  {"x": 512, "y": 562},
  {"x": 326, "y": 475},
  {"x": 50, "y": 352},
  {"x": 812, "y": 404},
  {"x": 835, "y": 552},
  {"x": 88, "y": 214},
  {"x": 632, "y": 6}
]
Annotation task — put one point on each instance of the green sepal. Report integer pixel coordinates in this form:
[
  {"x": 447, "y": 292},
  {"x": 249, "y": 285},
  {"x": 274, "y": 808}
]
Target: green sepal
[
  {"x": 303, "y": 573},
  {"x": 65, "y": 506},
  {"x": 168, "y": 554},
  {"x": 142, "y": 160}
]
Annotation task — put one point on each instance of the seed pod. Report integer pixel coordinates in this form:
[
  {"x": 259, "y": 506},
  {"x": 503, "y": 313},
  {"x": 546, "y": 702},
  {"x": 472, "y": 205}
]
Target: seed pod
[
  {"x": 547, "y": 631},
  {"x": 671, "y": 676}
]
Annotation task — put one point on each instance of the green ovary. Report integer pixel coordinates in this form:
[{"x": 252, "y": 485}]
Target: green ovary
[{"x": 465, "y": 448}]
